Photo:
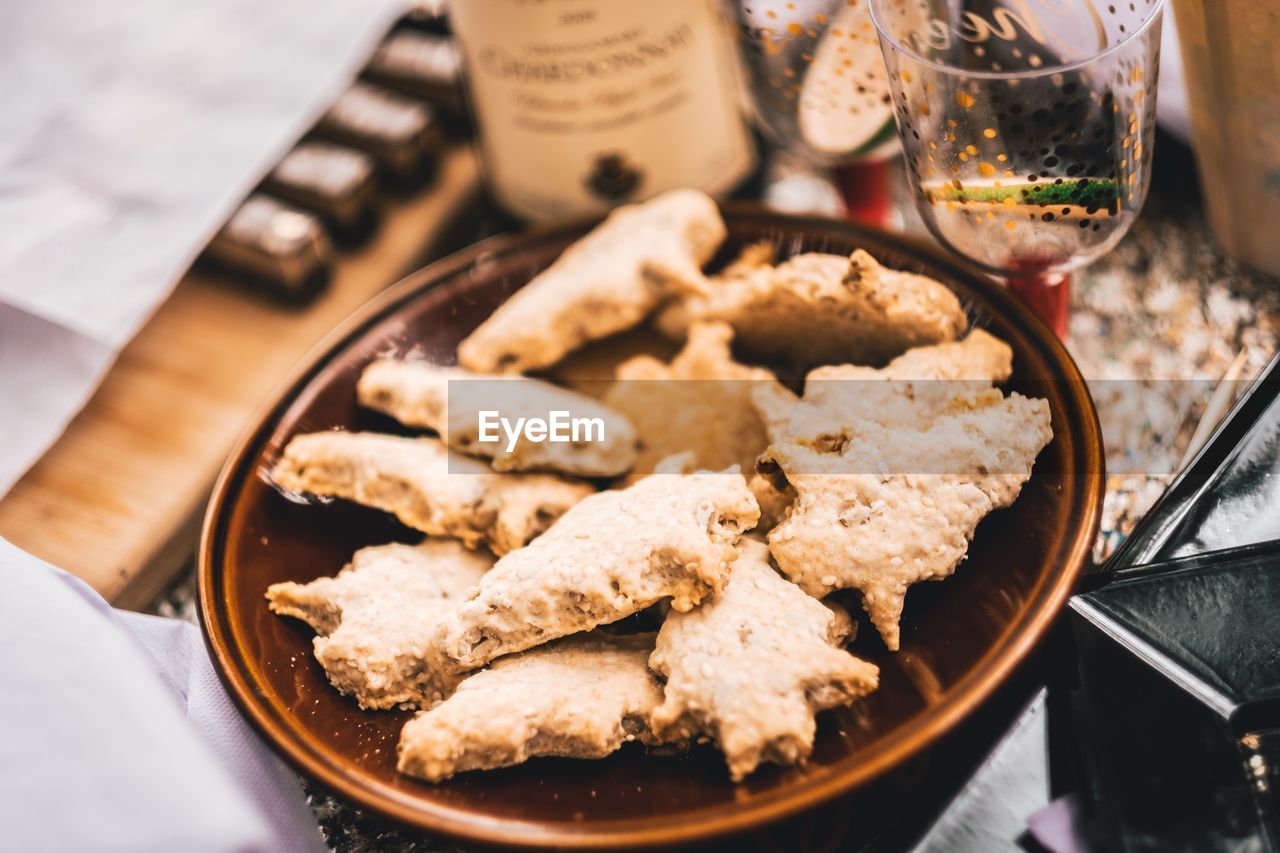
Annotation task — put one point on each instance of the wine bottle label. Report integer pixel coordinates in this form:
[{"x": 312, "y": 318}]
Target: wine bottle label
[{"x": 585, "y": 104}]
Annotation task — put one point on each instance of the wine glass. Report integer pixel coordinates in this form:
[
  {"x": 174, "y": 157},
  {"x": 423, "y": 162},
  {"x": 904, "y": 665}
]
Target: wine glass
[
  {"x": 1027, "y": 127},
  {"x": 822, "y": 96},
  {"x": 819, "y": 80}
]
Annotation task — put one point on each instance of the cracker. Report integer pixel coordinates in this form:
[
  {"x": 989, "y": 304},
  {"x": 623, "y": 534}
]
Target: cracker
[
  {"x": 752, "y": 665},
  {"x": 895, "y": 505},
  {"x": 376, "y": 618},
  {"x": 608, "y": 281},
  {"x": 449, "y": 400},
  {"x": 775, "y": 500},
  {"x": 823, "y": 309},
  {"x": 428, "y": 488},
  {"x": 612, "y": 555},
  {"x": 979, "y": 355},
  {"x": 579, "y": 697},
  {"x": 701, "y": 402},
  {"x": 912, "y": 388},
  {"x": 750, "y": 260}
]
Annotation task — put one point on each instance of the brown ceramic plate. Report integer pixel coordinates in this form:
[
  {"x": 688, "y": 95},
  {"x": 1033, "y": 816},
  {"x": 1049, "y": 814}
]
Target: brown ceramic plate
[{"x": 961, "y": 638}]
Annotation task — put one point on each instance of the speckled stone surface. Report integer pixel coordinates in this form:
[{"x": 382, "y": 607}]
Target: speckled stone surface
[
  {"x": 1164, "y": 307},
  {"x": 1168, "y": 313}
]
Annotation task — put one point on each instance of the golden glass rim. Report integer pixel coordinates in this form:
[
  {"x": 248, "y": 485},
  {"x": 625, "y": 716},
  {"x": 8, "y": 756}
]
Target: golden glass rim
[{"x": 1157, "y": 13}]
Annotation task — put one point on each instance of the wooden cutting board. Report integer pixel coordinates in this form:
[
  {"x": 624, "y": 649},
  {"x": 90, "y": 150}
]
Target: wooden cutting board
[{"x": 118, "y": 499}]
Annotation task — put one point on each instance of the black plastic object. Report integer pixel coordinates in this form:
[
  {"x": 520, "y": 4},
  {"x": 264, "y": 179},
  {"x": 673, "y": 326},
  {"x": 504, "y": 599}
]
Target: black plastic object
[
  {"x": 1180, "y": 665},
  {"x": 1179, "y": 652},
  {"x": 1230, "y": 493}
]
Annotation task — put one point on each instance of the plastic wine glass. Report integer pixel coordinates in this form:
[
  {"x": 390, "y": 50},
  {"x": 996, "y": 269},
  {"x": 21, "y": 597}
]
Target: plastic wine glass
[
  {"x": 821, "y": 93},
  {"x": 1027, "y": 127}
]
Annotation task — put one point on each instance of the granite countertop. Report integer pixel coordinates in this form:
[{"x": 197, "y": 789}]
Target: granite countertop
[
  {"x": 1169, "y": 313},
  {"x": 1166, "y": 306}
]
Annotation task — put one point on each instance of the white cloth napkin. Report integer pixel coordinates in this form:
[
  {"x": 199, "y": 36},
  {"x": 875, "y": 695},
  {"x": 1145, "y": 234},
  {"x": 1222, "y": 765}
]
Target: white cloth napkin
[
  {"x": 116, "y": 735},
  {"x": 129, "y": 133},
  {"x": 990, "y": 813}
]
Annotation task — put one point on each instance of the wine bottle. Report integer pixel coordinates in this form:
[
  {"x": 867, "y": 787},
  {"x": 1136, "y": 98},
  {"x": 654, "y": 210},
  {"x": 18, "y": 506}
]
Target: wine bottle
[{"x": 581, "y": 105}]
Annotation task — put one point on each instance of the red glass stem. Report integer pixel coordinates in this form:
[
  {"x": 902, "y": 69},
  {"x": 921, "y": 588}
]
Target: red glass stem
[
  {"x": 868, "y": 196},
  {"x": 1048, "y": 295}
]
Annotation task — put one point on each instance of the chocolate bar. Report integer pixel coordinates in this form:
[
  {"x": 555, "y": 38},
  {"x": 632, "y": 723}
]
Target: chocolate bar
[
  {"x": 429, "y": 15},
  {"x": 338, "y": 183},
  {"x": 275, "y": 244},
  {"x": 403, "y": 136},
  {"x": 421, "y": 65}
]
